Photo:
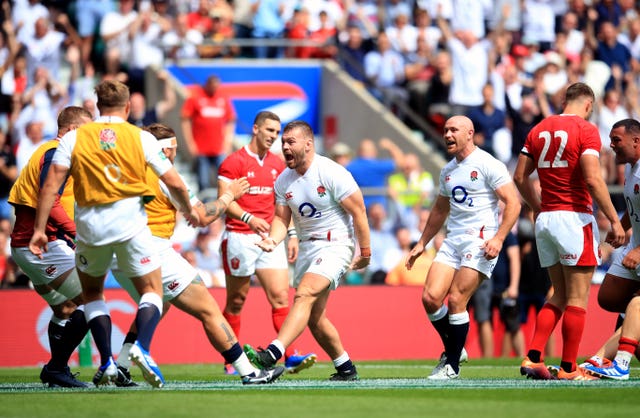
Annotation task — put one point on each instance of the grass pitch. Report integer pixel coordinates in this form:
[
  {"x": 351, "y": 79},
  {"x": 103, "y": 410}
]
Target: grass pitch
[{"x": 486, "y": 388}]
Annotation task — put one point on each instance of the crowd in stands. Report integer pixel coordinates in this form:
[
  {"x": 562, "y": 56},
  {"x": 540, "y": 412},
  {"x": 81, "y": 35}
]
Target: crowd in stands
[{"x": 503, "y": 63}]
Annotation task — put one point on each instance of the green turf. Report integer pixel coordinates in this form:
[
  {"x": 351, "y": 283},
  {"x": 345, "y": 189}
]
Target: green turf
[{"x": 487, "y": 388}]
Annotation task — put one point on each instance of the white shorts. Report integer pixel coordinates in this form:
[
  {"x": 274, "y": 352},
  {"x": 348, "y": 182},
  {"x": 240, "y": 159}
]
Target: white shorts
[
  {"x": 177, "y": 273},
  {"x": 328, "y": 259},
  {"x": 58, "y": 259},
  {"x": 571, "y": 238},
  {"x": 617, "y": 269},
  {"x": 241, "y": 257},
  {"x": 136, "y": 257},
  {"x": 465, "y": 250}
]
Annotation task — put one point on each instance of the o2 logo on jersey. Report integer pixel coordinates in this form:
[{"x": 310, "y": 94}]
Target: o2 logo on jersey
[
  {"x": 309, "y": 211},
  {"x": 459, "y": 195}
]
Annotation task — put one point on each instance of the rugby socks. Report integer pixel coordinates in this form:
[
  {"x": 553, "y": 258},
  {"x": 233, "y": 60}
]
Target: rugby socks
[
  {"x": 239, "y": 359},
  {"x": 278, "y": 315},
  {"x": 74, "y": 332},
  {"x": 276, "y": 349},
  {"x": 343, "y": 364},
  {"x": 97, "y": 316},
  {"x": 440, "y": 321},
  {"x": 572, "y": 328},
  {"x": 123, "y": 356},
  {"x": 147, "y": 318},
  {"x": 546, "y": 321},
  {"x": 458, "y": 330},
  {"x": 56, "y": 343},
  {"x": 626, "y": 348},
  {"x": 234, "y": 321}
]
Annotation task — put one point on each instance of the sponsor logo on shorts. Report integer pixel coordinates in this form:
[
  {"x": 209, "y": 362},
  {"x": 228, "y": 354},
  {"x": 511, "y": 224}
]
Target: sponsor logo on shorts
[
  {"x": 447, "y": 178},
  {"x": 235, "y": 263},
  {"x": 50, "y": 270},
  {"x": 173, "y": 285},
  {"x": 569, "y": 256},
  {"x": 319, "y": 260},
  {"x": 145, "y": 260},
  {"x": 288, "y": 195},
  {"x": 468, "y": 256}
]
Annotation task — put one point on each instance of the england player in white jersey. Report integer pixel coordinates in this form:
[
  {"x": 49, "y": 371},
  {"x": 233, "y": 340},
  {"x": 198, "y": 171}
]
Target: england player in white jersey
[
  {"x": 471, "y": 186},
  {"x": 619, "y": 289},
  {"x": 327, "y": 208}
]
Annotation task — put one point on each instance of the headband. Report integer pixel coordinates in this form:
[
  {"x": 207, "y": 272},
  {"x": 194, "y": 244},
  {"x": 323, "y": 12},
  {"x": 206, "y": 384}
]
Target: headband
[{"x": 168, "y": 142}]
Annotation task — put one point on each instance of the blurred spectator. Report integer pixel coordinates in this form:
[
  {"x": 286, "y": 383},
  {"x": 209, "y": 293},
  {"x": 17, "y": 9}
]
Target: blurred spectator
[
  {"x": 8, "y": 175},
  {"x": 199, "y": 19},
  {"x": 369, "y": 171},
  {"x": 89, "y": 15},
  {"x": 412, "y": 189},
  {"x": 24, "y": 16},
  {"x": 41, "y": 101},
  {"x": 353, "y": 53},
  {"x": 33, "y": 139},
  {"x": 209, "y": 278},
  {"x": 429, "y": 33},
  {"x": 205, "y": 248},
  {"x": 140, "y": 115},
  {"x": 269, "y": 19},
  {"x": 221, "y": 30},
  {"x": 114, "y": 31},
  {"x": 182, "y": 42},
  {"x": 418, "y": 73},
  {"x": 470, "y": 66},
  {"x": 400, "y": 276},
  {"x": 609, "y": 112},
  {"x": 243, "y": 24},
  {"x": 383, "y": 241},
  {"x": 363, "y": 15},
  {"x": 507, "y": 15},
  {"x": 145, "y": 34},
  {"x": 437, "y": 97},
  {"x": 325, "y": 36},
  {"x": 389, "y": 9},
  {"x": 631, "y": 38},
  {"x": 469, "y": 16},
  {"x": 208, "y": 127},
  {"x": 608, "y": 49},
  {"x": 298, "y": 30},
  {"x": 9, "y": 49},
  {"x": 384, "y": 68},
  {"x": 539, "y": 23},
  {"x": 403, "y": 35},
  {"x": 335, "y": 16},
  {"x": 487, "y": 120},
  {"x": 574, "y": 38},
  {"x": 44, "y": 47},
  {"x": 341, "y": 153}
]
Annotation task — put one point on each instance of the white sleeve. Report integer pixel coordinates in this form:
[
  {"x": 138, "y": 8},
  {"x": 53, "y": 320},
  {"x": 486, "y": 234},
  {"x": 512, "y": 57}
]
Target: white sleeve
[
  {"x": 153, "y": 154},
  {"x": 62, "y": 156},
  {"x": 165, "y": 191}
]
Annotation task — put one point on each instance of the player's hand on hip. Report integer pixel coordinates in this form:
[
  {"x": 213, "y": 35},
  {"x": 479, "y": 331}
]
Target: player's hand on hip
[
  {"x": 238, "y": 187},
  {"x": 38, "y": 244}
]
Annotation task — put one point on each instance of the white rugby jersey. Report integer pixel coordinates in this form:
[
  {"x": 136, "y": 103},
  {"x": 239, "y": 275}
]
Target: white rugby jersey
[
  {"x": 632, "y": 199},
  {"x": 470, "y": 186},
  {"x": 314, "y": 199}
]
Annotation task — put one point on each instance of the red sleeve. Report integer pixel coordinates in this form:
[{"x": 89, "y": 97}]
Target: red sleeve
[
  {"x": 61, "y": 220},
  {"x": 228, "y": 168},
  {"x": 591, "y": 138}
]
